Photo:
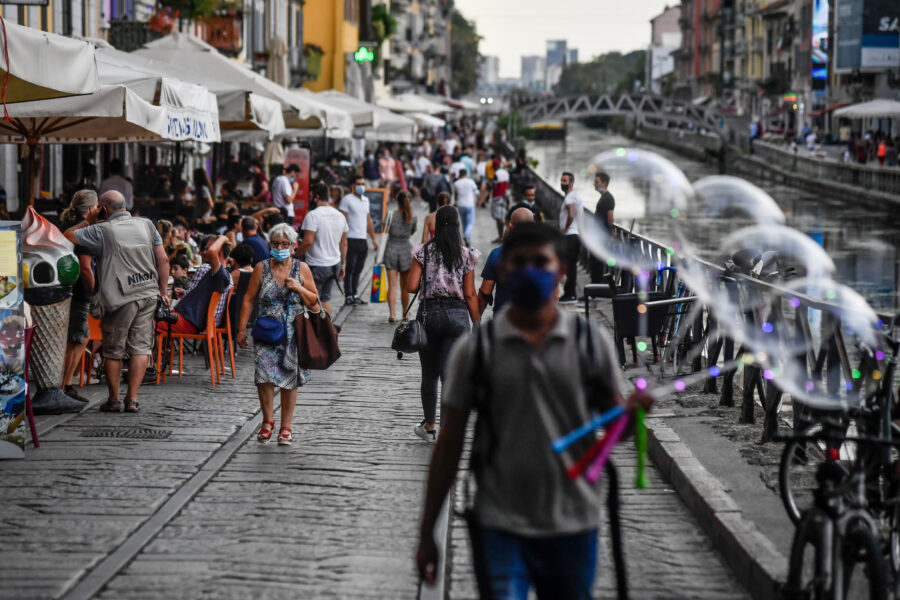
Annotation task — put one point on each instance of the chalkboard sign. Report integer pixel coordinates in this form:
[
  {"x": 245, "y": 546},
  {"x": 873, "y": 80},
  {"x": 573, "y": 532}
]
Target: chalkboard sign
[{"x": 378, "y": 201}]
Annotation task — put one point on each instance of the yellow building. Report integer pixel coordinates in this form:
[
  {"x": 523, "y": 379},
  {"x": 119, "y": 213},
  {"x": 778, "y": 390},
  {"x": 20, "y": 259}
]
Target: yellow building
[{"x": 333, "y": 26}]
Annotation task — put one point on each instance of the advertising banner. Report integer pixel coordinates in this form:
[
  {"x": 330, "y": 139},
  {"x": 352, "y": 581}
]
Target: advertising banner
[
  {"x": 880, "y": 30},
  {"x": 12, "y": 343}
]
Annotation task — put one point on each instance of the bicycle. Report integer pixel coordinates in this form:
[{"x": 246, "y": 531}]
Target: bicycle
[{"x": 838, "y": 527}]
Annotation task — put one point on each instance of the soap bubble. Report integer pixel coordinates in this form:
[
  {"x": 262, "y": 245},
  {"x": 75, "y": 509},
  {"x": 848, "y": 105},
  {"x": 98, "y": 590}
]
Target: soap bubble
[
  {"x": 740, "y": 284},
  {"x": 650, "y": 184},
  {"x": 831, "y": 312}
]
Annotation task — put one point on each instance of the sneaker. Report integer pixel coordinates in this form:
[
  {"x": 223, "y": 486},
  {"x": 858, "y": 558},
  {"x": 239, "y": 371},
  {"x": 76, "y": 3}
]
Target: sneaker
[
  {"x": 568, "y": 300},
  {"x": 428, "y": 436},
  {"x": 350, "y": 300}
]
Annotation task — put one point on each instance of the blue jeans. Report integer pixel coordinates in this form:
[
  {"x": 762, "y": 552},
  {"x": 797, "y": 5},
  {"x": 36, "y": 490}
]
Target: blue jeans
[
  {"x": 559, "y": 567},
  {"x": 467, "y": 214}
]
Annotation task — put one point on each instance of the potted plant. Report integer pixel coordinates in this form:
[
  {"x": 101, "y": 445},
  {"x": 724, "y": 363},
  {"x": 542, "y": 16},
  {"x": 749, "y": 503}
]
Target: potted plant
[{"x": 313, "y": 56}]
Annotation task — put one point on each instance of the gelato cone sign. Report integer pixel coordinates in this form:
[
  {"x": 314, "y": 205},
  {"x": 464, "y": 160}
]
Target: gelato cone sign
[{"x": 48, "y": 256}]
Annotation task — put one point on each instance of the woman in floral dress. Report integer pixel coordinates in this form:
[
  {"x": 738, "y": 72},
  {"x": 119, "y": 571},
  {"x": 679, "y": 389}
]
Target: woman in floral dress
[{"x": 278, "y": 282}]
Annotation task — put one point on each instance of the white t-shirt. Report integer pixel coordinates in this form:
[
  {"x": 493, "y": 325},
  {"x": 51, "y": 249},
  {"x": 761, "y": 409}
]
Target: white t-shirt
[
  {"x": 119, "y": 184},
  {"x": 481, "y": 169},
  {"x": 329, "y": 225},
  {"x": 455, "y": 168},
  {"x": 422, "y": 165},
  {"x": 465, "y": 192},
  {"x": 281, "y": 190},
  {"x": 571, "y": 198},
  {"x": 357, "y": 211},
  {"x": 450, "y": 145}
]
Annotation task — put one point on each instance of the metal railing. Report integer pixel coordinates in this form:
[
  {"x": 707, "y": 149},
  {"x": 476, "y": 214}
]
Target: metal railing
[{"x": 829, "y": 360}]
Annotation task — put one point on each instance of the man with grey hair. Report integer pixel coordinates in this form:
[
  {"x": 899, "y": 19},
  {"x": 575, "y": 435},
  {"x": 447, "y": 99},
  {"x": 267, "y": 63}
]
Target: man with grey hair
[{"x": 133, "y": 270}]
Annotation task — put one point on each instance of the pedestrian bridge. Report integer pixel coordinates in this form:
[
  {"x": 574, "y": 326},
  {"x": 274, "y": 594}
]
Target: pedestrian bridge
[{"x": 643, "y": 106}]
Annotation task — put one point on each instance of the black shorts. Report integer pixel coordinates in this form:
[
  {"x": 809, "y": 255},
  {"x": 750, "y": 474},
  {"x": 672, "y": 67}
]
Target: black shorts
[{"x": 324, "y": 277}]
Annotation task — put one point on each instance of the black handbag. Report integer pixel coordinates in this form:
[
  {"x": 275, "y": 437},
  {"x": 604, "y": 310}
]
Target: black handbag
[{"x": 410, "y": 336}]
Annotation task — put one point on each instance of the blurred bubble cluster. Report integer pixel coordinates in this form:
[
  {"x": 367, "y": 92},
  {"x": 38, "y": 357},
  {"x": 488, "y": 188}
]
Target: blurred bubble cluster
[{"x": 764, "y": 285}]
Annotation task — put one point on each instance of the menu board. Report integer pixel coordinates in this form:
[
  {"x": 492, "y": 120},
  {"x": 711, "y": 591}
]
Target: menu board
[
  {"x": 378, "y": 204},
  {"x": 12, "y": 343}
]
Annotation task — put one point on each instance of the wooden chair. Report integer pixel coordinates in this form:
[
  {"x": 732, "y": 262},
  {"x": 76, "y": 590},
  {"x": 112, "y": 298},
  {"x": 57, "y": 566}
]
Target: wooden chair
[
  {"x": 208, "y": 336},
  {"x": 226, "y": 331},
  {"x": 94, "y": 334}
]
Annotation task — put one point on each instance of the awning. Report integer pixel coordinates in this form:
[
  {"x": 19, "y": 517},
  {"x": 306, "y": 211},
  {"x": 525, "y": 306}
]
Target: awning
[
  {"x": 131, "y": 106},
  {"x": 412, "y": 103},
  {"x": 870, "y": 110},
  {"x": 44, "y": 65},
  {"x": 391, "y": 127},
  {"x": 822, "y": 111},
  {"x": 427, "y": 121},
  {"x": 362, "y": 113},
  {"x": 215, "y": 70},
  {"x": 774, "y": 113},
  {"x": 339, "y": 122}
]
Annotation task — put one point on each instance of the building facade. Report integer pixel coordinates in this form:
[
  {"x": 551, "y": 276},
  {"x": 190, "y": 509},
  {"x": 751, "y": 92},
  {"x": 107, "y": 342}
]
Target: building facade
[
  {"x": 420, "y": 50},
  {"x": 665, "y": 39},
  {"x": 533, "y": 72}
]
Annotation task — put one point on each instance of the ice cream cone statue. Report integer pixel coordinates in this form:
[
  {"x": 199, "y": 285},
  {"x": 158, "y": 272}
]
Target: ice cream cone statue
[{"x": 49, "y": 270}]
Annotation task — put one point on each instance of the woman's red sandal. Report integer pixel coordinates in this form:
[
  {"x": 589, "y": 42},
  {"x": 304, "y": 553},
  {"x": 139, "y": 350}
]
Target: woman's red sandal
[
  {"x": 265, "y": 433},
  {"x": 285, "y": 439}
]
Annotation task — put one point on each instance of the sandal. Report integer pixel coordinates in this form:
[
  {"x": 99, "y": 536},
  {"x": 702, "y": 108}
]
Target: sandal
[
  {"x": 111, "y": 405},
  {"x": 131, "y": 405},
  {"x": 285, "y": 439},
  {"x": 265, "y": 434}
]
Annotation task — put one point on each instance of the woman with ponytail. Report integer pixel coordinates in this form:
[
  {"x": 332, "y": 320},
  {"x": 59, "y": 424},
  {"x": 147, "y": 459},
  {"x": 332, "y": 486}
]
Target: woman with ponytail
[{"x": 445, "y": 269}]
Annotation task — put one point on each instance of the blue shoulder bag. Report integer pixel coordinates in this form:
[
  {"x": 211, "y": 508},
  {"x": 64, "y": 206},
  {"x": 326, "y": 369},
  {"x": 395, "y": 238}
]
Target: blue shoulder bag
[{"x": 269, "y": 330}]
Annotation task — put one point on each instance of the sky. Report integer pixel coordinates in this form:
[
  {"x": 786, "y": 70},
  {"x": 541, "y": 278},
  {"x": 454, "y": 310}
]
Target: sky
[{"x": 515, "y": 28}]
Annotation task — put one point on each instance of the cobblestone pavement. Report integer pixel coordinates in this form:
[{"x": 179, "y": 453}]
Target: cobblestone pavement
[{"x": 334, "y": 516}]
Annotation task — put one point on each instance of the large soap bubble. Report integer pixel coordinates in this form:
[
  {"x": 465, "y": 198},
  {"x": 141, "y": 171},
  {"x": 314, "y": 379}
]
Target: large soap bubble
[
  {"x": 653, "y": 186},
  {"x": 741, "y": 283},
  {"x": 830, "y": 315}
]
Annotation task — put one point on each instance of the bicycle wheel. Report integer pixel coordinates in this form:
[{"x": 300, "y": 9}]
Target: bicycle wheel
[
  {"x": 800, "y": 461},
  {"x": 860, "y": 545},
  {"x": 807, "y": 575}
]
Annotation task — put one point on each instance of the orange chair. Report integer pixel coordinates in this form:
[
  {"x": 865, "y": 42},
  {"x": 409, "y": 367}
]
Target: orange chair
[
  {"x": 94, "y": 335},
  {"x": 226, "y": 331},
  {"x": 208, "y": 336}
]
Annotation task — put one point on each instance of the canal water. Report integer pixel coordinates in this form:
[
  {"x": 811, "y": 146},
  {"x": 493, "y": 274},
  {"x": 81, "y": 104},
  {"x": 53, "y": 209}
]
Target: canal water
[{"x": 864, "y": 242}]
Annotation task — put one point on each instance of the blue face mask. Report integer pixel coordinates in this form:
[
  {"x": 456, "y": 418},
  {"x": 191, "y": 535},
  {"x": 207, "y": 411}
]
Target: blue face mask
[
  {"x": 280, "y": 255},
  {"x": 530, "y": 288},
  {"x": 360, "y": 190}
]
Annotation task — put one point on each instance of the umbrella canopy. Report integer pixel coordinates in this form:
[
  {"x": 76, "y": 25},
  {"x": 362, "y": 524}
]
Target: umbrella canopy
[
  {"x": 243, "y": 115},
  {"x": 426, "y": 121},
  {"x": 43, "y": 65},
  {"x": 391, "y": 127},
  {"x": 412, "y": 103},
  {"x": 212, "y": 69},
  {"x": 874, "y": 109},
  {"x": 362, "y": 113},
  {"x": 339, "y": 122},
  {"x": 131, "y": 105}
]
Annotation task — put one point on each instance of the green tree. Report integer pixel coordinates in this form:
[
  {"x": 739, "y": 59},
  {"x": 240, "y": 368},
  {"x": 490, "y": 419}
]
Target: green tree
[
  {"x": 465, "y": 59},
  {"x": 612, "y": 72}
]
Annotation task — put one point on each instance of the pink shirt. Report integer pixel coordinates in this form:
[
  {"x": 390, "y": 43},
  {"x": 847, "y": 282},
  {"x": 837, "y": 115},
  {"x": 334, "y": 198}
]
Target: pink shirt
[{"x": 441, "y": 282}]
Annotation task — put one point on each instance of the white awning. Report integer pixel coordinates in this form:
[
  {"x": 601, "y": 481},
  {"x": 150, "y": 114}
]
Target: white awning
[
  {"x": 407, "y": 103},
  {"x": 130, "y": 106},
  {"x": 362, "y": 113},
  {"x": 215, "y": 70},
  {"x": 339, "y": 122},
  {"x": 391, "y": 127},
  {"x": 44, "y": 65},
  {"x": 426, "y": 121},
  {"x": 870, "y": 110}
]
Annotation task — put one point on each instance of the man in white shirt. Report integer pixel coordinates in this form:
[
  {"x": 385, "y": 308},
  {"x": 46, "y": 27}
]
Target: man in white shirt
[
  {"x": 116, "y": 183},
  {"x": 456, "y": 167},
  {"x": 569, "y": 213},
  {"x": 450, "y": 144},
  {"x": 421, "y": 164},
  {"x": 498, "y": 198},
  {"x": 324, "y": 242},
  {"x": 284, "y": 189},
  {"x": 466, "y": 190},
  {"x": 355, "y": 207}
]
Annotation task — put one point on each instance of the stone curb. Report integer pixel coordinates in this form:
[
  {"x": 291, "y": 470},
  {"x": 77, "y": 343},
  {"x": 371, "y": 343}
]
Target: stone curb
[{"x": 758, "y": 565}]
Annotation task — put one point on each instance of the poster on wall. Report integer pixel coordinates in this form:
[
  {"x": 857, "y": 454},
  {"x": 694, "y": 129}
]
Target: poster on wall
[
  {"x": 12, "y": 343},
  {"x": 880, "y": 31}
]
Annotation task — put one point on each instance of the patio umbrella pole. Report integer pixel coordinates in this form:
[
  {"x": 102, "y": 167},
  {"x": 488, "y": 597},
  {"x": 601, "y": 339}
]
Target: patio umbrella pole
[{"x": 32, "y": 148}]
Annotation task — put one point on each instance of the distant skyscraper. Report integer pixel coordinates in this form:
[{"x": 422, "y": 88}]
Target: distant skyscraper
[
  {"x": 556, "y": 52},
  {"x": 573, "y": 56},
  {"x": 490, "y": 72},
  {"x": 533, "y": 74}
]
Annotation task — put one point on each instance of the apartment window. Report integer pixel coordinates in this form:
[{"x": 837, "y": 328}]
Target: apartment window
[{"x": 351, "y": 11}]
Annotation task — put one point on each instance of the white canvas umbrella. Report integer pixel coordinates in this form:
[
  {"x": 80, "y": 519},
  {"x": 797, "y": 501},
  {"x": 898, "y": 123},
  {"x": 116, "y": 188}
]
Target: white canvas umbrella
[
  {"x": 412, "y": 103},
  {"x": 362, "y": 113},
  {"x": 339, "y": 123},
  {"x": 35, "y": 65},
  {"x": 874, "y": 109},
  {"x": 391, "y": 127},
  {"x": 213, "y": 69},
  {"x": 426, "y": 121}
]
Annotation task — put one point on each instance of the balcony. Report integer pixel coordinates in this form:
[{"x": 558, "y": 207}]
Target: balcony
[{"x": 127, "y": 36}]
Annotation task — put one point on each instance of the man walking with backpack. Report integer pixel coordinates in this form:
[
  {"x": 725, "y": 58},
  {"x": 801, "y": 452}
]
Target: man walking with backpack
[{"x": 530, "y": 524}]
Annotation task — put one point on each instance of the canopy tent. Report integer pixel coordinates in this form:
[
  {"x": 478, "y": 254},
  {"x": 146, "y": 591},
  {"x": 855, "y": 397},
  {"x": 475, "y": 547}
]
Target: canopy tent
[
  {"x": 243, "y": 115},
  {"x": 362, "y": 113},
  {"x": 130, "y": 106},
  {"x": 873, "y": 109},
  {"x": 427, "y": 121},
  {"x": 213, "y": 69},
  {"x": 391, "y": 127},
  {"x": 43, "y": 65},
  {"x": 412, "y": 103},
  {"x": 339, "y": 122}
]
